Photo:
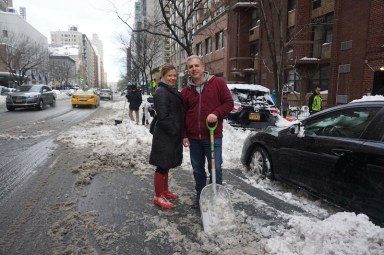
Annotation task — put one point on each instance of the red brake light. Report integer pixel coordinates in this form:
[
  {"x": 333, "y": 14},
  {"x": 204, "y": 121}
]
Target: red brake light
[
  {"x": 274, "y": 111},
  {"x": 236, "y": 109}
]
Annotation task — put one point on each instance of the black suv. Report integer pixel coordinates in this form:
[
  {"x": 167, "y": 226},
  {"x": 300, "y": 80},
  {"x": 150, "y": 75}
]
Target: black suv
[
  {"x": 253, "y": 106},
  {"x": 31, "y": 96}
]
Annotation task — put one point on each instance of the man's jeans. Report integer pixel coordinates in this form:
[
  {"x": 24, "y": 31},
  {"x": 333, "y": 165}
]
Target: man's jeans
[{"x": 200, "y": 150}]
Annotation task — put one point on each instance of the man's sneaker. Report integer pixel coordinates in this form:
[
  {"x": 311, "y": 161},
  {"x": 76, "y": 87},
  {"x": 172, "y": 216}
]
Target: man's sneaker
[
  {"x": 162, "y": 202},
  {"x": 170, "y": 195}
]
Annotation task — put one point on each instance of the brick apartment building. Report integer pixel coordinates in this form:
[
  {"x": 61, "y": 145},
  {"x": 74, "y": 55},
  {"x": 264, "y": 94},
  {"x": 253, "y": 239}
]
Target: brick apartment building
[{"x": 335, "y": 44}]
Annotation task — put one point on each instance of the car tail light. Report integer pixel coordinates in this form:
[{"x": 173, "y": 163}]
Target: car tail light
[
  {"x": 236, "y": 109},
  {"x": 274, "y": 111},
  {"x": 74, "y": 96},
  {"x": 92, "y": 97}
]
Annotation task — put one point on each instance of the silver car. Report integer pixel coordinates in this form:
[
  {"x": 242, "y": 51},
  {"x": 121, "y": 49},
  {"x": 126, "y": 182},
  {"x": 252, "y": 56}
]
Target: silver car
[
  {"x": 31, "y": 96},
  {"x": 106, "y": 94}
]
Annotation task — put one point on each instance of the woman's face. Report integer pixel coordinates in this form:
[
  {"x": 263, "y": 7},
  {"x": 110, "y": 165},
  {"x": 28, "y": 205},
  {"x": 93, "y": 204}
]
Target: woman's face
[{"x": 170, "y": 77}]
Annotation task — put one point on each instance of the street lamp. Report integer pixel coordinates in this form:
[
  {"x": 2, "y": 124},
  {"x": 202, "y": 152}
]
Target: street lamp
[{"x": 181, "y": 76}]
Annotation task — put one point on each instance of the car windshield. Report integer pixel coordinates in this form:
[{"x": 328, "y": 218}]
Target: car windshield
[
  {"x": 85, "y": 92},
  {"x": 251, "y": 96},
  {"x": 28, "y": 89}
]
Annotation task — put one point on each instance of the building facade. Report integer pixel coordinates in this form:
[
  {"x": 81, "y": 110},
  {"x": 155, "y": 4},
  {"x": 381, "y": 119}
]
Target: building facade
[
  {"x": 337, "y": 45},
  {"x": 16, "y": 32},
  {"x": 90, "y": 70}
]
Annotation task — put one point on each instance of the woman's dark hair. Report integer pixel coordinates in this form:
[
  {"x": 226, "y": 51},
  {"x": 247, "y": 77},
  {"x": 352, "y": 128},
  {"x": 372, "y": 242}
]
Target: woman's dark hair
[{"x": 166, "y": 68}]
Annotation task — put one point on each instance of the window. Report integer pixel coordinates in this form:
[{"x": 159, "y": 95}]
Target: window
[
  {"x": 322, "y": 33},
  {"x": 254, "y": 48},
  {"x": 255, "y": 18},
  {"x": 316, "y": 4},
  {"x": 346, "y": 45},
  {"x": 349, "y": 123},
  {"x": 328, "y": 27},
  {"x": 320, "y": 79},
  {"x": 199, "y": 49},
  {"x": 208, "y": 45},
  {"x": 291, "y": 5},
  {"x": 345, "y": 68},
  {"x": 292, "y": 80},
  {"x": 220, "y": 40},
  {"x": 5, "y": 33}
]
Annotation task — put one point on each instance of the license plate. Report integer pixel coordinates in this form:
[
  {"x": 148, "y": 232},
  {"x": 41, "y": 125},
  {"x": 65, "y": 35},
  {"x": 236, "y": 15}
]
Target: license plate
[
  {"x": 19, "y": 100},
  {"x": 83, "y": 99},
  {"x": 254, "y": 116}
]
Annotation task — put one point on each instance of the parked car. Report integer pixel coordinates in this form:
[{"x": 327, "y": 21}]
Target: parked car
[
  {"x": 5, "y": 90},
  {"x": 31, "y": 96},
  {"x": 106, "y": 94},
  {"x": 85, "y": 98},
  {"x": 253, "y": 106},
  {"x": 337, "y": 154}
]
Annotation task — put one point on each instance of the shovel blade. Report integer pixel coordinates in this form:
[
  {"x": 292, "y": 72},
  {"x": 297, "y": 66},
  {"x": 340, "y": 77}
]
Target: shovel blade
[
  {"x": 118, "y": 122},
  {"x": 216, "y": 209}
]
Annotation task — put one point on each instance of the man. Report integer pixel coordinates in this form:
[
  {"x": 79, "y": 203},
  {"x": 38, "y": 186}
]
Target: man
[
  {"x": 205, "y": 98},
  {"x": 153, "y": 86},
  {"x": 134, "y": 98},
  {"x": 314, "y": 101}
]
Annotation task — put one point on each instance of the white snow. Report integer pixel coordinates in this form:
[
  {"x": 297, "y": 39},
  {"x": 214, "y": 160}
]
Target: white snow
[
  {"x": 369, "y": 98},
  {"x": 324, "y": 233}
]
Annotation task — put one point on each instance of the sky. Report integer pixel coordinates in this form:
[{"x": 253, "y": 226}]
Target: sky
[
  {"x": 90, "y": 16},
  {"x": 320, "y": 231}
]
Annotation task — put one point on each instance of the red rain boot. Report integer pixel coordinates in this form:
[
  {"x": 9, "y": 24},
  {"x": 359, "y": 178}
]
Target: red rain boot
[
  {"x": 168, "y": 194},
  {"x": 160, "y": 199}
]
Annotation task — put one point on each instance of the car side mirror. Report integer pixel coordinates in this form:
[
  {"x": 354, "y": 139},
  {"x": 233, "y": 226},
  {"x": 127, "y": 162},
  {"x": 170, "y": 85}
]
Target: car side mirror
[
  {"x": 296, "y": 129},
  {"x": 44, "y": 90}
]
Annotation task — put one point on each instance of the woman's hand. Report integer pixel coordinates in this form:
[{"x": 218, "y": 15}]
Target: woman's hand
[{"x": 186, "y": 142}]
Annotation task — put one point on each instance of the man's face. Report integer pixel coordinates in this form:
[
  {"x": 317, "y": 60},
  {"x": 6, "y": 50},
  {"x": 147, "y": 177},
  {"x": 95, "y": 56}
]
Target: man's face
[
  {"x": 317, "y": 90},
  {"x": 195, "y": 69}
]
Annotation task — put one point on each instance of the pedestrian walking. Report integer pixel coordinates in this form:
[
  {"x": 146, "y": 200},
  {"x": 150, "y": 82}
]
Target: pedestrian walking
[
  {"x": 147, "y": 109},
  {"x": 167, "y": 148},
  {"x": 315, "y": 101},
  {"x": 285, "y": 105},
  {"x": 205, "y": 98},
  {"x": 135, "y": 99}
]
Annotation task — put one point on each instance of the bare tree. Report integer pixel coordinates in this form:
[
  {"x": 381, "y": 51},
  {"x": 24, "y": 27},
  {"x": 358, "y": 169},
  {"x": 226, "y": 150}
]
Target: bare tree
[
  {"x": 20, "y": 54},
  {"x": 62, "y": 69},
  {"x": 178, "y": 30},
  {"x": 271, "y": 16},
  {"x": 144, "y": 53}
]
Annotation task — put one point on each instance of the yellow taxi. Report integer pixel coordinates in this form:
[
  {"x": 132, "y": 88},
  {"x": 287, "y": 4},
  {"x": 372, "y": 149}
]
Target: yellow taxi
[{"x": 85, "y": 98}]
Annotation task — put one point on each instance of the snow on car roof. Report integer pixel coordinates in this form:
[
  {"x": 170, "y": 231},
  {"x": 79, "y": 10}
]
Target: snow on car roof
[
  {"x": 368, "y": 98},
  {"x": 253, "y": 87}
]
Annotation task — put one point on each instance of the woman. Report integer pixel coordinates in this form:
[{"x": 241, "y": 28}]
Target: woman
[{"x": 167, "y": 149}]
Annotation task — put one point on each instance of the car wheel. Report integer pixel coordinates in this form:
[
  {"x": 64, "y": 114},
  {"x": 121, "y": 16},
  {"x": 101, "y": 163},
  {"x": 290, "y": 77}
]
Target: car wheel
[
  {"x": 10, "y": 108},
  {"x": 53, "y": 104},
  {"x": 40, "y": 105},
  {"x": 260, "y": 164},
  {"x": 73, "y": 106}
]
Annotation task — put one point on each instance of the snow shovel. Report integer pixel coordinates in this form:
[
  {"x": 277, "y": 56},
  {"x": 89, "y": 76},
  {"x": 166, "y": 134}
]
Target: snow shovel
[
  {"x": 215, "y": 204},
  {"x": 122, "y": 117}
]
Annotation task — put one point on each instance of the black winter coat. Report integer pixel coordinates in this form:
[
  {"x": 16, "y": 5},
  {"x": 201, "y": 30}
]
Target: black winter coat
[
  {"x": 134, "y": 99},
  {"x": 167, "y": 148}
]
